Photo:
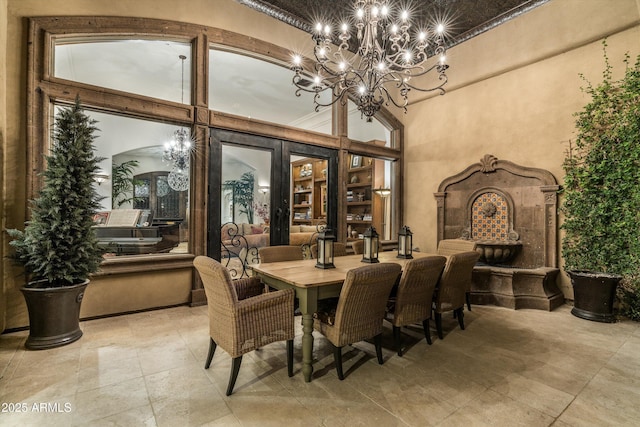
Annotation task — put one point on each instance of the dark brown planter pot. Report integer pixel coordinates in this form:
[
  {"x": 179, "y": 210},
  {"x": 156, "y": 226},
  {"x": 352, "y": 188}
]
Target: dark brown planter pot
[
  {"x": 54, "y": 314},
  {"x": 593, "y": 295}
]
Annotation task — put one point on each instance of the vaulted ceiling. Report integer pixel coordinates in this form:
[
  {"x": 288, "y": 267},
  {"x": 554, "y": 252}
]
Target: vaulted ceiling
[{"x": 464, "y": 18}]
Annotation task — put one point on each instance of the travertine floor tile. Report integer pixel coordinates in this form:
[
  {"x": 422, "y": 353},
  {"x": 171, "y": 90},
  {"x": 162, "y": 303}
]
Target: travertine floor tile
[{"x": 507, "y": 368}]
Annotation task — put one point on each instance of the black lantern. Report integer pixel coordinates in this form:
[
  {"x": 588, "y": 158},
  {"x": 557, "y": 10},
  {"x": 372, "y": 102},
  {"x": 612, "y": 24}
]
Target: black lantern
[
  {"x": 370, "y": 250},
  {"x": 325, "y": 249},
  {"x": 405, "y": 243}
]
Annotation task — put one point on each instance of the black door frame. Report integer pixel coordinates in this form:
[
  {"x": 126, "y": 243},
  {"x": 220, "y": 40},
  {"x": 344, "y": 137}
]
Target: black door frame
[{"x": 280, "y": 191}]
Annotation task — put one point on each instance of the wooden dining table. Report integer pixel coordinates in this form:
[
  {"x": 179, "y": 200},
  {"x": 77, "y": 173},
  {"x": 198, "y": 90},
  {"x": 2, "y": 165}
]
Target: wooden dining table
[{"x": 312, "y": 284}]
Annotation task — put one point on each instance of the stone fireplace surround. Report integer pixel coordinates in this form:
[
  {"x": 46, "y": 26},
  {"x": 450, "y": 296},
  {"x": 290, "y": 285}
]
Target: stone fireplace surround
[{"x": 505, "y": 204}]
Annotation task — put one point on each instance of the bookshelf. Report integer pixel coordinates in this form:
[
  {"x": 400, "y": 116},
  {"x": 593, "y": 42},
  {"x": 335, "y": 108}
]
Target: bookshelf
[
  {"x": 309, "y": 191},
  {"x": 363, "y": 207}
]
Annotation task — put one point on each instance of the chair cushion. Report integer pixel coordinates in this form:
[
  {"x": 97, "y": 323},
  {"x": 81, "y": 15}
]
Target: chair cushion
[{"x": 326, "y": 311}]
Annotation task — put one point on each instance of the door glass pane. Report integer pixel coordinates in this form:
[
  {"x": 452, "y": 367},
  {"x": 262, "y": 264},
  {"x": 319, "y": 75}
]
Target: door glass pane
[
  {"x": 309, "y": 191},
  {"x": 257, "y": 89},
  {"x": 145, "y": 67},
  {"x": 245, "y": 191}
]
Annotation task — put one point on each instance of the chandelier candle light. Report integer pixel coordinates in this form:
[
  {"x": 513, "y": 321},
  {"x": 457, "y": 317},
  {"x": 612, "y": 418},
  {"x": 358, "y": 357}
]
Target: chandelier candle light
[{"x": 387, "y": 61}]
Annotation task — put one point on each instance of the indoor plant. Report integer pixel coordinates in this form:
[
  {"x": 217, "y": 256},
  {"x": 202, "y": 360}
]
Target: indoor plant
[
  {"x": 58, "y": 247},
  {"x": 602, "y": 197},
  {"x": 123, "y": 183}
]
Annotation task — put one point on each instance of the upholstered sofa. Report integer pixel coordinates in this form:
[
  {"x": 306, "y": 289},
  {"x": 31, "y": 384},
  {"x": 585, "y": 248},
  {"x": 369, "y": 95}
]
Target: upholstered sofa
[{"x": 244, "y": 236}]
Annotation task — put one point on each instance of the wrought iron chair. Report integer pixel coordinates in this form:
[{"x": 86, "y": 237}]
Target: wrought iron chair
[
  {"x": 241, "y": 317},
  {"x": 360, "y": 311},
  {"x": 414, "y": 297}
]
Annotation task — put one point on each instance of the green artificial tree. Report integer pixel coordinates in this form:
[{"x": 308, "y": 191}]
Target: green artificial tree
[
  {"x": 58, "y": 246},
  {"x": 602, "y": 185}
]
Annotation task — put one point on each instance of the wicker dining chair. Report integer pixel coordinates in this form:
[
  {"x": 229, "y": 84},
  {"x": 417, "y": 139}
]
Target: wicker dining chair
[
  {"x": 339, "y": 249},
  {"x": 358, "y": 247},
  {"x": 413, "y": 300},
  {"x": 241, "y": 317},
  {"x": 280, "y": 253},
  {"x": 455, "y": 246},
  {"x": 452, "y": 286},
  {"x": 360, "y": 311}
]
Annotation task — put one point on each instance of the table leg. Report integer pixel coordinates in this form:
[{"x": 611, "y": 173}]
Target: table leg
[
  {"x": 308, "y": 299},
  {"x": 307, "y": 346}
]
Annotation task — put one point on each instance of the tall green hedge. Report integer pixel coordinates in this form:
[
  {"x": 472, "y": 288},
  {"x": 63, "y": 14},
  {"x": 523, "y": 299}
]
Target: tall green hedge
[{"x": 602, "y": 184}]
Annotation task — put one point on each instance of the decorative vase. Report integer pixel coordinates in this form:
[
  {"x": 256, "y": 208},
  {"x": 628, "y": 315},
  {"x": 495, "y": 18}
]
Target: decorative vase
[
  {"x": 54, "y": 314},
  {"x": 593, "y": 295}
]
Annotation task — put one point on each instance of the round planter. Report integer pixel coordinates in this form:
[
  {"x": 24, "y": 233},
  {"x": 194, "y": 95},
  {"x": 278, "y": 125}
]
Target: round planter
[
  {"x": 593, "y": 295},
  {"x": 54, "y": 314}
]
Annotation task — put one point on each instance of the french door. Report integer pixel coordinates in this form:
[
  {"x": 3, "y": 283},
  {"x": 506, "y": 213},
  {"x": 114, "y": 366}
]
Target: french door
[{"x": 259, "y": 182}]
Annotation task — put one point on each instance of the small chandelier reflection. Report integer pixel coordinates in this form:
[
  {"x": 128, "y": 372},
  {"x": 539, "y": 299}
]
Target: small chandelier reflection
[
  {"x": 177, "y": 152},
  {"x": 390, "y": 55}
]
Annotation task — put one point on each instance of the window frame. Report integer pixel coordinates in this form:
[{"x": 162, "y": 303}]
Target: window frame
[{"x": 44, "y": 90}]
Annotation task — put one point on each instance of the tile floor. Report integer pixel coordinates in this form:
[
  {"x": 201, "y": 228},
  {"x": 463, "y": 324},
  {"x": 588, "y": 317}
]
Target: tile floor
[{"x": 508, "y": 368}]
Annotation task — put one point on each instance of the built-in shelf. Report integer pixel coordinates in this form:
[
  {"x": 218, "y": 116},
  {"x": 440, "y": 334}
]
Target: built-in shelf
[
  {"x": 309, "y": 190},
  {"x": 361, "y": 201}
]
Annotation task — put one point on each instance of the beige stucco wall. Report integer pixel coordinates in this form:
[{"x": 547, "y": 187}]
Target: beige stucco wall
[
  {"x": 512, "y": 94},
  {"x": 164, "y": 288},
  {"x": 3, "y": 127}
]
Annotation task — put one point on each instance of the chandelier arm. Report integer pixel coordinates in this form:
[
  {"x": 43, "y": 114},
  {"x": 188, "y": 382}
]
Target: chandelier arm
[
  {"x": 392, "y": 99},
  {"x": 439, "y": 88},
  {"x": 386, "y": 56}
]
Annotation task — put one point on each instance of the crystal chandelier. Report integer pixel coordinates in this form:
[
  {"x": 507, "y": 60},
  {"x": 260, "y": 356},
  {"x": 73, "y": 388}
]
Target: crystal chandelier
[
  {"x": 387, "y": 61},
  {"x": 177, "y": 152}
]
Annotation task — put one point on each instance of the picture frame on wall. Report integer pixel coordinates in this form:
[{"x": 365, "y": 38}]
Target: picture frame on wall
[{"x": 356, "y": 161}]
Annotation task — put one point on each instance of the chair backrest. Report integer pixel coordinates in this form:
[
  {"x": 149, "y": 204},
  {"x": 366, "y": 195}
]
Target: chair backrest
[
  {"x": 414, "y": 298},
  {"x": 216, "y": 280},
  {"x": 362, "y": 302},
  {"x": 454, "y": 246},
  {"x": 339, "y": 249},
  {"x": 280, "y": 253},
  {"x": 222, "y": 299},
  {"x": 358, "y": 246},
  {"x": 455, "y": 279}
]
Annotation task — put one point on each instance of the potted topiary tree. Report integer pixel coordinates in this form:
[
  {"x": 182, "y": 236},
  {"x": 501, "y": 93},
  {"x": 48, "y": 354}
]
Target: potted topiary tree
[
  {"x": 601, "y": 243},
  {"x": 58, "y": 247}
]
